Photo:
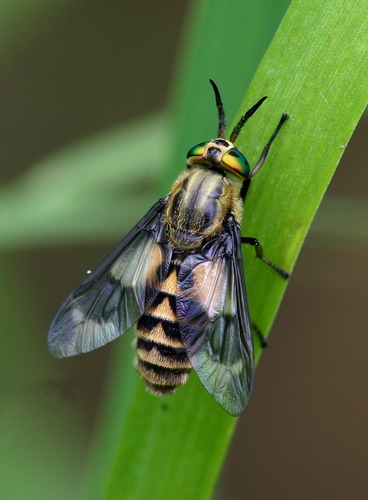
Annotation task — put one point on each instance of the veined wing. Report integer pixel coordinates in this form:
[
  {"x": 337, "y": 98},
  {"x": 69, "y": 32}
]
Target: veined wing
[
  {"x": 111, "y": 299},
  {"x": 214, "y": 321}
]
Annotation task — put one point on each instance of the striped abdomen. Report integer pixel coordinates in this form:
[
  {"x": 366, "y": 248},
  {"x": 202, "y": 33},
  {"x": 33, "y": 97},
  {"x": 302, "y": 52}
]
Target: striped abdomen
[{"x": 161, "y": 357}]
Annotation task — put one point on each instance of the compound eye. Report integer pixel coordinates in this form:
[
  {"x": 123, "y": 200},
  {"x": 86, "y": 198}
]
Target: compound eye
[
  {"x": 197, "y": 150},
  {"x": 236, "y": 163}
]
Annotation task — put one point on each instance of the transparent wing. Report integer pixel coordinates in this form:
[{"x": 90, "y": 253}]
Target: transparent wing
[
  {"x": 111, "y": 299},
  {"x": 214, "y": 321}
]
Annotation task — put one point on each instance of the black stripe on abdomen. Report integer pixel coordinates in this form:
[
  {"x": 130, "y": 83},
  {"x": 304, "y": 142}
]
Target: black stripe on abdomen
[{"x": 161, "y": 358}]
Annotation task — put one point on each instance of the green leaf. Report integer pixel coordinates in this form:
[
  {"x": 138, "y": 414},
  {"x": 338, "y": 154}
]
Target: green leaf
[
  {"x": 54, "y": 201},
  {"x": 322, "y": 85},
  {"x": 315, "y": 70}
]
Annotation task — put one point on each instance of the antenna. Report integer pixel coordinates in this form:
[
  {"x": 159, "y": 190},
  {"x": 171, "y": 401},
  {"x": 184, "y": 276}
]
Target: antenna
[
  {"x": 244, "y": 118},
  {"x": 221, "y": 112}
]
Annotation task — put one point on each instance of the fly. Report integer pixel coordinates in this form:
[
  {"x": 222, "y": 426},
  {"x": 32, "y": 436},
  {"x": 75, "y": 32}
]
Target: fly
[{"x": 179, "y": 277}]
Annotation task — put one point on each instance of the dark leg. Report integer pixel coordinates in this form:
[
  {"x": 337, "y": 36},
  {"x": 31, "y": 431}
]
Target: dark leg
[
  {"x": 246, "y": 182},
  {"x": 259, "y": 334},
  {"x": 259, "y": 252},
  {"x": 245, "y": 187},
  {"x": 264, "y": 154}
]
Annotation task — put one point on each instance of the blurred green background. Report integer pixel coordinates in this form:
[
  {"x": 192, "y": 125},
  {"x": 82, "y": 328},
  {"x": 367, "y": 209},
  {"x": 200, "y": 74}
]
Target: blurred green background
[{"x": 69, "y": 71}]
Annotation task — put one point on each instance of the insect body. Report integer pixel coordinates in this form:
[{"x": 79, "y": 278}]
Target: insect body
[{"x": 178, "y": 275}]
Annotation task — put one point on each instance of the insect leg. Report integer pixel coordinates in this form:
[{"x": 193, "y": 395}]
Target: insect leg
[
  {"x": 245, "y": 187},
  {"x": 259, "y": 253},
  {"x": 246, "y": 182},
  {"x": 259, "y": 334},
  {"x": 266, "y": 149}
]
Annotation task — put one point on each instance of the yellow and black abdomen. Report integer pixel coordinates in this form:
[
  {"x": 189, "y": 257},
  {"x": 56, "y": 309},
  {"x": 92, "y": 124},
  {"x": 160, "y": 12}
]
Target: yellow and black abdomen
[
  {"x": 161, "y": 357},
  {"x": 196, "y": 208}
]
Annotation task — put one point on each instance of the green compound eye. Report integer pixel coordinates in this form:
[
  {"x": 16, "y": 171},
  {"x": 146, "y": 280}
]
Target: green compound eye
[
  {"x": 197, "y": 150},
  {"x": 236, "y": 163}
]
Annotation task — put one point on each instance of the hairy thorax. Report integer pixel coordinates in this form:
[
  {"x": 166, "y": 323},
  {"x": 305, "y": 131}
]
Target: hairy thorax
[{"x": 197, "y": 205}]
